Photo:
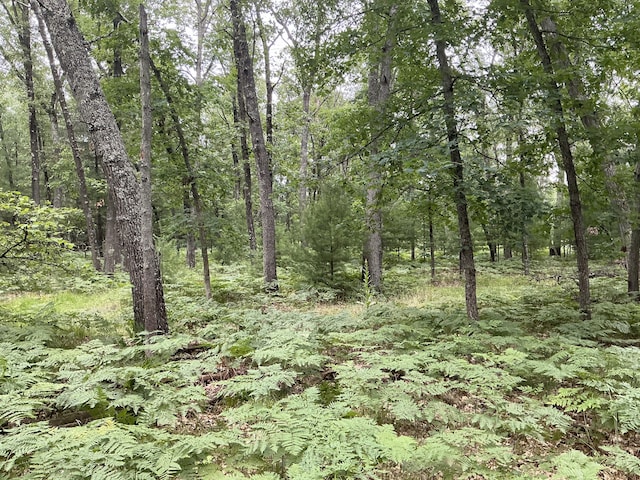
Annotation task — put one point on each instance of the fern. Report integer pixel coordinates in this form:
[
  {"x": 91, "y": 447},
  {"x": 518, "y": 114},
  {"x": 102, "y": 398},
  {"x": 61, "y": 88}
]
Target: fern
[
  {"x": 259, "y": 383},
  {"x": 575, "y": 465},
  {"x": 622, "y": 460},
  {"x": 103, "y": 449}
]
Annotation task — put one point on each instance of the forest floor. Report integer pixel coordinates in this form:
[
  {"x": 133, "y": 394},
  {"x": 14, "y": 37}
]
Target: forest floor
[{"x": 312, "y": 384}]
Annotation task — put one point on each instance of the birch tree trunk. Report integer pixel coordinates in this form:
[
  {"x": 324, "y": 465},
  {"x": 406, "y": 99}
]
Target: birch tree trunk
[
  {"x": 244, "y": 65},
  {"x": 555, "y": 103},
  {"x": 467, "y": 262},
  {"x": 101, "y": 125}
]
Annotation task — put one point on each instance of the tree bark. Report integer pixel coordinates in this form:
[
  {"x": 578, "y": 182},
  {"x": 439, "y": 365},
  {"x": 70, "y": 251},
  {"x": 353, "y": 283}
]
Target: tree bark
[
  {"x": 73, "y": 143},
  {"x": 247, "y": 191},
  {"x": 244, "y": 65},
  {"x": 304, "y": 147},
  {"x": 467, "y": 262},
  {"x": 592, "y": 123},
  {"x": 526, "y": 261},
  {"x": 493, "y": 248},
  {"x": 20, "y": 19},
  {"x": 191, "y": 241},
  {"x": 379, "y": 92},
  {"x": 432, "y": 246},
  {"x": 190, "y": 179},
  {"x": 269, "y": 86},
  {"x": 235, "y": 156},
  {"x": 150, "y": 261},
  {"x": 633, "y": 267},
  {"x": 555, "y": 102},
  {"x": 56, "y": 148},
  {"x": 112, "y": 245},
  {"x": 101, "y": 125}
]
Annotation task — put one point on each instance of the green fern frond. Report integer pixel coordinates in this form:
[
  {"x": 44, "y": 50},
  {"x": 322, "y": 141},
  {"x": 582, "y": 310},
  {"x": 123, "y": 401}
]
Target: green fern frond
[
  {"x": 259, "y": 383},
  {"x": 575, "y": 465},
  {"x": 622, "y": 460}
]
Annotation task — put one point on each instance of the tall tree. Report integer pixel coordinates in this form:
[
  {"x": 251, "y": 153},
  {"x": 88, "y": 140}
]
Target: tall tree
[
  {"x": 190, "y": 179},
  {"x": 73, "y": 143},
  {"x": 633, "y": 272},
  {"x": 379, "y": 92},
  {"x": 240, "y": 121},
  {"x": 591, "y": 119},
  {"x": 18, "y": 15},
  {"x": 150, "y": 261},
  {"x": 69, "y": 44},
  {"x": 244, "y": 64},
  {"x": 467, "y": 262},
  {"x": 554, "y": 96}
]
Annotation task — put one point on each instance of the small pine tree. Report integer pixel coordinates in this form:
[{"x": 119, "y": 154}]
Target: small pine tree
[{"x": 329, "y": 233}]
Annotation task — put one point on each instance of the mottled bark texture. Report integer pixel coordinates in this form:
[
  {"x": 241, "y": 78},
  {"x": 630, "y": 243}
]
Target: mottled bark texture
[
  {"x": 555, "y": 103},
  {"x": 71, "y": 49},
  {"x": 244, "y": 64},
  {"x": 467, "y": 262},
  {"x": 150, "y": 260}
]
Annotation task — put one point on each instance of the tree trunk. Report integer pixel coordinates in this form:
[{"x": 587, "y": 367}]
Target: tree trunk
[
  {"x": 247, "y": 191},
  {"x": 191, "y": 179},
  {"x": 526, "y": 261},
  {"x": 237, "y": 173},
  {"x": 191, "y": 241},
  {"x": 101, "y": 124},
  {"x": 633, "y": 266},
  {"x": 493, "y": 248},
  {"x": 267, "y": 81},
  {"x": 467, "y": 262},
  {"x": 432, "y": 246},
  {"x": 244, "y": 64},
  {"x": 590, "y": 118},
  {"x": 20, "y": 19},
  {"x": 56, "y": 150},
  {"x": 7, "y": 156},
  {"x": 75, "y": 150},
  {"x": 112, "y": 244},
  {"x": 379, "y": 92},
  {"x": 304, "y": 147},
  {"x": 555, "y": 102},
  {"x": 150, "y": 261}
]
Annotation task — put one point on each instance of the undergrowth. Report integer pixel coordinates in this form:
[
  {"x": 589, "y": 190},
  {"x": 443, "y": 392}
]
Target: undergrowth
[{"x": 277, "y": 388}]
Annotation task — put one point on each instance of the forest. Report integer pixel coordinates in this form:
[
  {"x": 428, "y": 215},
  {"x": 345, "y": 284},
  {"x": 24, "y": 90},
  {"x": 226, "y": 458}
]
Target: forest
[{"x": 291, "y": 239}]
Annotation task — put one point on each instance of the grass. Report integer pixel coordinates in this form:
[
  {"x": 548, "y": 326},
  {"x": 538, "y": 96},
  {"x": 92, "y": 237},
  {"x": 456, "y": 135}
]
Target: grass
[{"x": 108, "y": 303}]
